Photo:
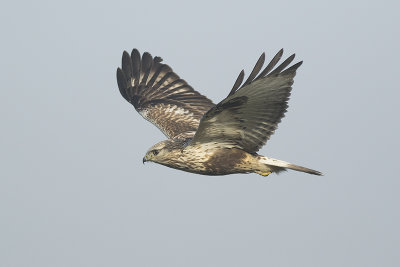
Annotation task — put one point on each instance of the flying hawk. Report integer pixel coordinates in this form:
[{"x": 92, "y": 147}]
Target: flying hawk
[{"x": 205, "y": 138}]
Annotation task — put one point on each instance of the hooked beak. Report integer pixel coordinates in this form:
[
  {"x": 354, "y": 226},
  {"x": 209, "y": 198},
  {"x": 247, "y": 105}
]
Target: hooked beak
[{"x": 146, "y": 158}]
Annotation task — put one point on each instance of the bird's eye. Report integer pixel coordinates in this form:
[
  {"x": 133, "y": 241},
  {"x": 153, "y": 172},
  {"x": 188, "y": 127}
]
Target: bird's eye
[{"x": 155, "y": 152}]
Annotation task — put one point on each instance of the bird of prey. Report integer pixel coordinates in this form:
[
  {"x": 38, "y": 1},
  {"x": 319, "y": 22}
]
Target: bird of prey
[{"x": 205, "y": 138}]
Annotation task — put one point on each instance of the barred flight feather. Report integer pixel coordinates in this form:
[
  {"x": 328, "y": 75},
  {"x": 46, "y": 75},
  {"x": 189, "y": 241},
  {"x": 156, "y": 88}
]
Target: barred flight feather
[{"x": 159, "y": 94}]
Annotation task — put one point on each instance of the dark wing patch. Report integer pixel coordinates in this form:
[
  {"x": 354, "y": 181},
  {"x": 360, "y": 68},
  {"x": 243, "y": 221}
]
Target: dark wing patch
[
  {"x": 251, "y": 112},
  {"x": 223, "y": 161},
  {"x": 159, "y": 95}
]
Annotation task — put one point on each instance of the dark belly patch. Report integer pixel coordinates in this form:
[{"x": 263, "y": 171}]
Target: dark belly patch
[{"x": 225, "y": 161}]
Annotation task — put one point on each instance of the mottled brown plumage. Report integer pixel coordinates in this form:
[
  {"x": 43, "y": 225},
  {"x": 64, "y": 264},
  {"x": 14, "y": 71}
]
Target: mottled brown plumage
[{"x": 205, "y": 138}]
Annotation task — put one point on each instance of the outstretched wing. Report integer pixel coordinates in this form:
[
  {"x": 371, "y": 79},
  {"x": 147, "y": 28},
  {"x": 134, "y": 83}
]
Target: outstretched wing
[
  {"x": 159, "y": 95},
  {"x": 250, "y": 114}
]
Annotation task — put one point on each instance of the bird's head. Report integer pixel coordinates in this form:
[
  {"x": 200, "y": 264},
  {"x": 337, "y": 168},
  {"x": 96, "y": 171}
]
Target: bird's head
[{"x": 158, "y": 153}]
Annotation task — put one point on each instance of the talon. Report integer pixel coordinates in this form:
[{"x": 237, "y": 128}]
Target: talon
[{"x": 263, "y": 173}]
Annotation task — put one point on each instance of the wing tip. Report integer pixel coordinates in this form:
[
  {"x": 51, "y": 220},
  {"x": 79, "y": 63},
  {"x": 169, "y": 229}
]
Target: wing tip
[
  {"x": 157, "y": 59},
  {"x": 122, "y": 83},
  {"x": 268, "y": 70}
]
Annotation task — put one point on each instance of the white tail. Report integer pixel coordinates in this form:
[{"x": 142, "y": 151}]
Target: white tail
[{"x": 286, "y": 165}]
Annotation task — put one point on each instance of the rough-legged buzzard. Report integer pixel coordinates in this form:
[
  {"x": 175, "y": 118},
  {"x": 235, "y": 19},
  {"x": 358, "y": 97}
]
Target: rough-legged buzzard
[{"x": 205, "y": 138}]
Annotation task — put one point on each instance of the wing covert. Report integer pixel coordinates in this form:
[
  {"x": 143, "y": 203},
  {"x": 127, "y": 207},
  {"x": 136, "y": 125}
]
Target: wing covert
[{"x": 160, "y": 95}]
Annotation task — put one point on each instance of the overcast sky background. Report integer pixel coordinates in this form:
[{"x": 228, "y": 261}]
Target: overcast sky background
[{"x": 74, "y": 191}]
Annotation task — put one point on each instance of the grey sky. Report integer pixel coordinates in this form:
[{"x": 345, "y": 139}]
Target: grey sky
[{"x": 74, "y": 192}]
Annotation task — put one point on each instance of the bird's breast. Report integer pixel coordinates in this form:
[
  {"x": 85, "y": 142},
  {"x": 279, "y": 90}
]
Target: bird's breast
[{"x": 208, "y": 159}]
